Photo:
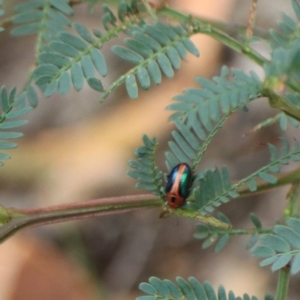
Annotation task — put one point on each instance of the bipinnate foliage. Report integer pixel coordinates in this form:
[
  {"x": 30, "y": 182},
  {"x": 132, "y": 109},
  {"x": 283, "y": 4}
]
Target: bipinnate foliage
[
  {"x": 70, "y": 55},
  {"x": 198, "y": 114},
  {"x": 212, "y": 187},
  {"x": 65, "y": 58},
  {"x": 187, "y": 289}
]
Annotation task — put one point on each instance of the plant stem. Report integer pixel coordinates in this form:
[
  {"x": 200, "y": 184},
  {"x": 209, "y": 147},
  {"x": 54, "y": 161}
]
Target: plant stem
[
  {"x": 13, "y": 220},
  {"x": 202, "y": 26},
  {"x": 283, "y": 283}
]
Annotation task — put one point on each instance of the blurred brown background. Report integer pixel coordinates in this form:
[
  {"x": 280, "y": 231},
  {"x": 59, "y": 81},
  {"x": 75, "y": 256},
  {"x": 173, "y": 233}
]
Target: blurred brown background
[{"x": 75, "y": 149}]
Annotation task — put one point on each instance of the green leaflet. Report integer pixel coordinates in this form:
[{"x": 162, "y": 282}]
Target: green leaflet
[
  {"x": 77, "y": 76},
  {"x": 25, "y": 29},
  {"x": 32, "y": 96},
  {"x": 99, "y": 62},
  {"x": 95, "y": 84},
  {"x": 27, "y": 16},
  {"x": 87, "y": 66},
  {"x": 127, "y": 54},
  {"x": 72, "y": 40},
  {"x": 139, "y": 47},
  {"x": 64, "y": 83},
  {"x": 12, "y": 124},
  {"x": 83, "y": 32},
  {"x": 144, "y": 78},
  {"x": 131, "y": 86},
  {"x": 165, "y": 65},
  {"x": 154, "y": 72}
]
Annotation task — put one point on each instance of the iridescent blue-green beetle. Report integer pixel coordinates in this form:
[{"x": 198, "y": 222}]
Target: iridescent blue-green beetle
[{"x": 178, "y": 185}]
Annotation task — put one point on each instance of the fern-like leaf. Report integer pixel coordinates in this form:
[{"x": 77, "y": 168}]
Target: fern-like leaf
[
  {"x": 215, "y": 187},
  {"x": 277, "y": 159},
  {"x": 217, "y": 97},
  {"x": 13, "y": 107},
  {"x": 185, "y": 289},
  {"x": 73, "y": 59},
  {"x": 145, "y": 170},
  {"x": 200, "y": 113},
  {"x": 154, "y": 49},
  {"x": 282, "y": 247},
  {"x": 65, "y": 59}
]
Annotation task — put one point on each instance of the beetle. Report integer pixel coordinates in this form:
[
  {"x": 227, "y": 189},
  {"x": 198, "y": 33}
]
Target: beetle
[{"x": 178, "y": 185}]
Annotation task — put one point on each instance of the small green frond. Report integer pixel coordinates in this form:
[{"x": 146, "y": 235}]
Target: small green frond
[
  {"x": 70, "y": 60},
  {"x": 185, "y": 289},
  {"x": 223, "y": 95},
  {"x": 191, "y": 140},
  {"x": 145, "y": 170},
  {"x": 278, "y": 158},
  {"x": 12, "y": 107},
  {"x": 255, "y": 220},
  {"x": 73, "y": 58},
  {"x": 200, "y": 113},
  {"x": 280, "y": 248},
  {"x": 154, "y": 48}
]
